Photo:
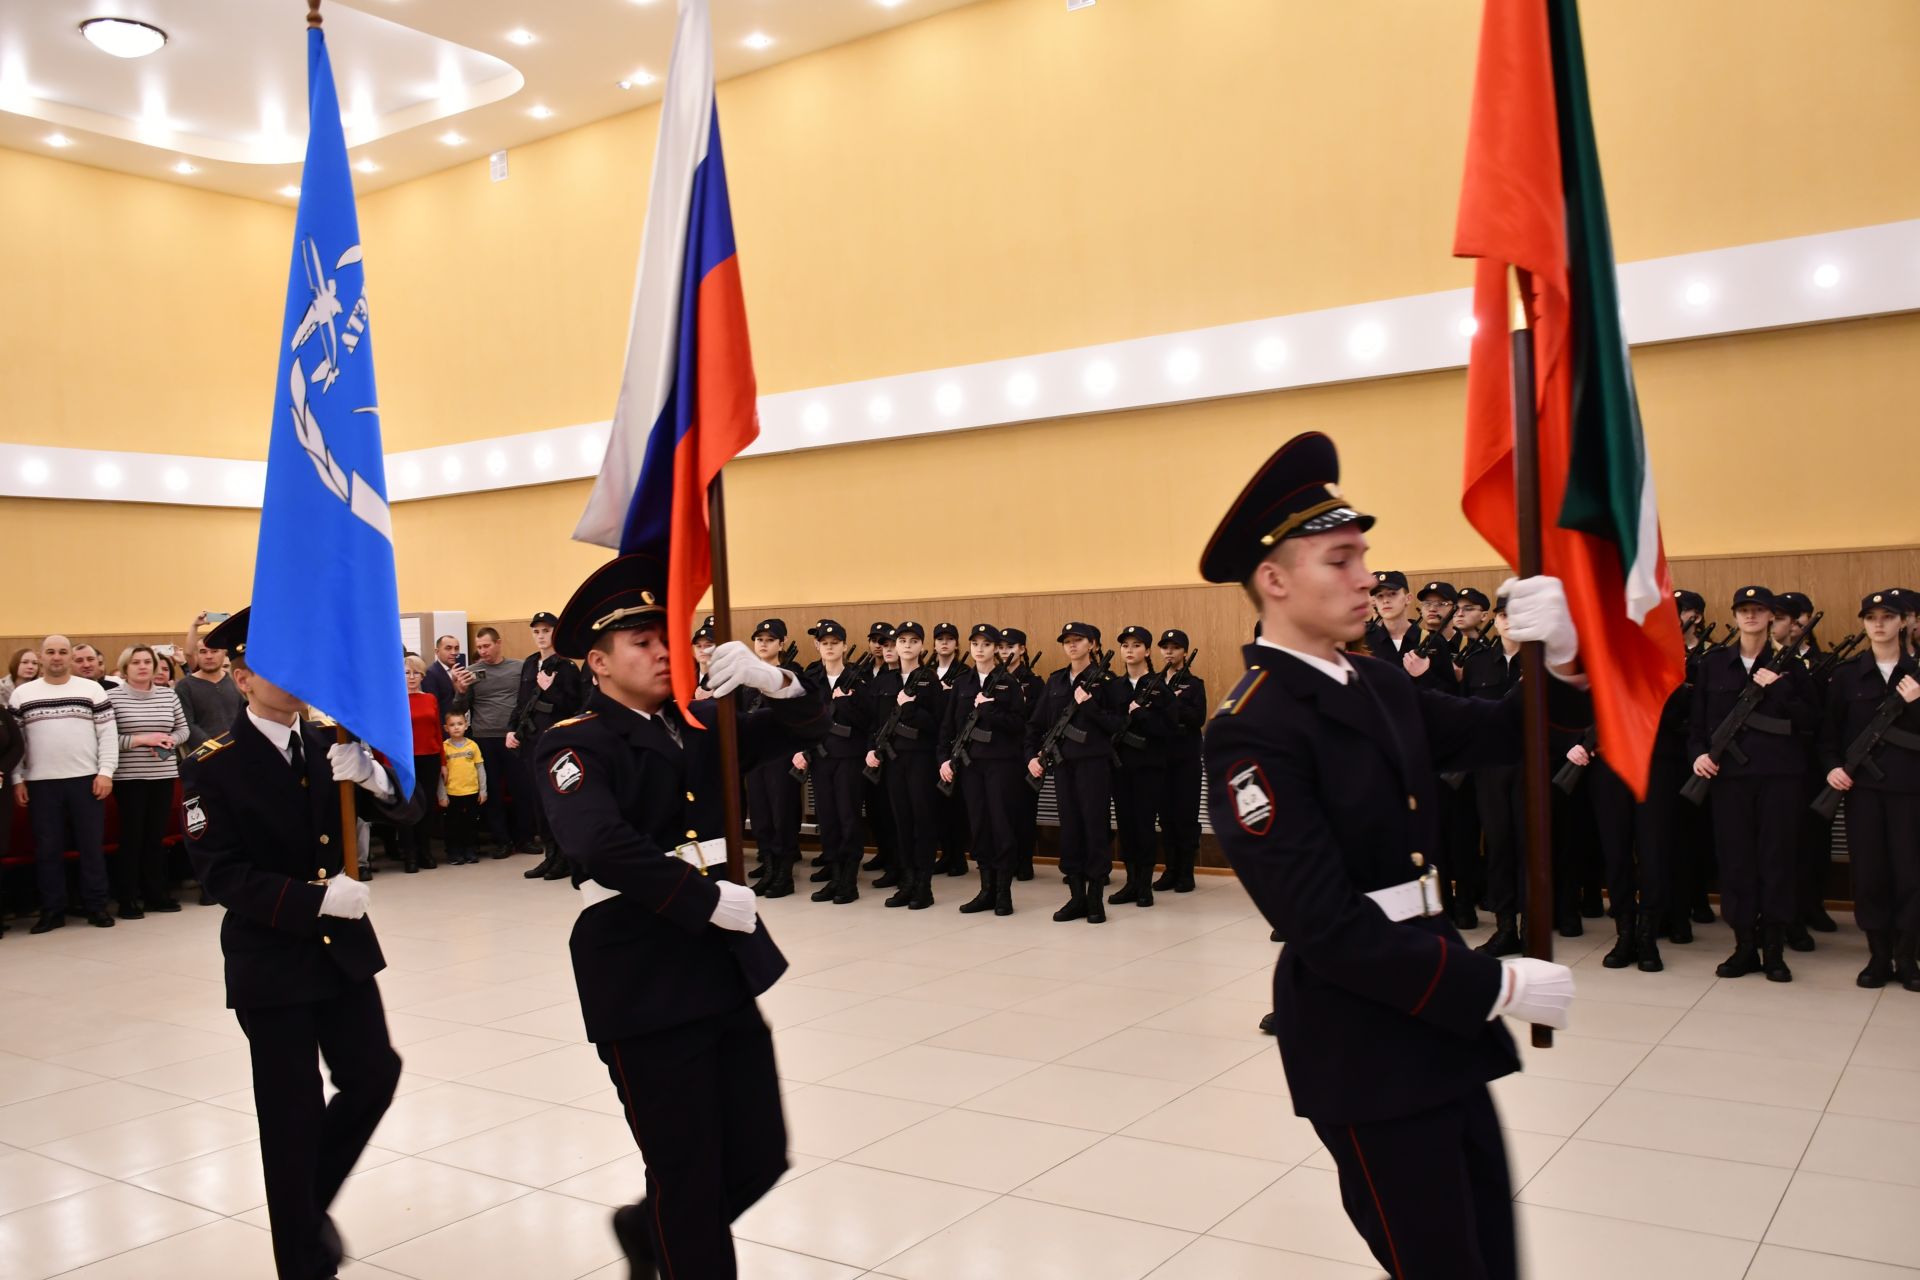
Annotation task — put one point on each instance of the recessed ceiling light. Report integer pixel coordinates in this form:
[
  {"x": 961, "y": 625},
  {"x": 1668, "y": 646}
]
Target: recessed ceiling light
[
  {"x": 1698, "y": 294},
  {"x": 35, "y": 471},
  {"x": 107, "y": 476},
  {"x": 1100, "y": 377},
  {"x": 1826, "y": 275},
  {"x": 291, "y": 191},
  {"x": 814, "y": 418},
  {"x": 365, "y": 165},
  {"x": 540, "y": 111},
  {"x": 520, "y": 35},
  {"x": 638, "y": 80},
  {"x": 1183, "y": 365},
  {"x": 452, "y": 138},
  {"x": 1270, "y": 353},
  {"x": 889, "y": 4},
  {"x": 1366, "y": 341},
  {"x": 1468, "y": 326},
  {"x": 1022, "y": 387},
  {"x": 758, "y": 40},
  {"x": 880, "y": 409},
  {"x": 59, "y": 140},
  {"x": 123, "y": 37},
  {"x": 184, "y": 167},
  {"x": 175, "y": 479}
]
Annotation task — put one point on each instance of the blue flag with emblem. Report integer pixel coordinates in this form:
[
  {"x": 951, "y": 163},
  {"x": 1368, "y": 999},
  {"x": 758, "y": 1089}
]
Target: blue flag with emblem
[{"x": 326, "y": 610}]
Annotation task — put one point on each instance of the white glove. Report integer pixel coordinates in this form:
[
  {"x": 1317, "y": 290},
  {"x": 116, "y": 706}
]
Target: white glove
[
  {"x": 1537, "y": 610},
  {"x": 738, "y": 908},
  {"x": 352, "y": 762},
  {"x": 346, "y": 899},
  {"x": 1534, "y": 991},
  {"x": 735, "y": 665}
]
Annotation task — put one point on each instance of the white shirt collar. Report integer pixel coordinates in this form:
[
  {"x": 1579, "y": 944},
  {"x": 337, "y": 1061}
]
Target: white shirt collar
[
  {"x": 275, "y": 732},
  {"x": 1340, "y": 671}
]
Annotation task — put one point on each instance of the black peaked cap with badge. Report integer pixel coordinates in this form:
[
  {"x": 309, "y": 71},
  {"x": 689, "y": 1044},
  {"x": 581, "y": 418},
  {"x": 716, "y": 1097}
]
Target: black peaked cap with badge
[
  {"x": 1389, "y": 580},
  {"x": 1141, "y": 634},
  {"x": 775, "y": 627},
  {"x": 1689, "y": 601},
  {"x": 945, "y": 631},
  {"x": 1888, "y": 600},
  {"x": 1294, "y": 494},
  {"x": 1755, "y": 594},
  {"x": 879, "y": 633},
  {"x": 1013, "y": 635},
  {"x": 827, "y": 628},
  {"x": 624, "y": 593},
  {"x": 1474, "y": 595},
  {"x": 1085, "y": 630},
  {"x": 1175, "y": 637},
  {"x": 706, "y": 630},
  {"x": 910, "y": 627},
  {"x": 985, "y": 631},
  {"x": 231, "y": 633},
  {"x": 544, "y": 619},
  {"x": 1442, "y": 589}
]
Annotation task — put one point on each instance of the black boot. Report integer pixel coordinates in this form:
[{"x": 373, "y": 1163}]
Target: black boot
[
  {"x": 1703, "y": 911},
  {"x": 1568, "y": 923},
  {"x": 1003, "y": 893},
  {"x": 1649, "y": 940},
  {"x": 846, "y": 885},
  {"x": 983, "y": 900},
  {"x": 1023, "y": 867},
  {"x": 1819, "y": 921},
  {"x": 887, "y": 878},
  {"x": 822, "y": 876},
  {"x": 1592, "y": 905},
  {"x": 1625, "y": 949},
  {"x": 780, "y": 883},
  {"x": 1076, "y": 907},
  {"x": 1772, "y": 959},
  {"x": 1145, "y": 880},
  {"x": 409, "y": 866},
  {"x": 1744, "y": 960},
  {"x": 903, "y": 894},
  {"x": 1171, "y": 876},
  {"x": 1183, "y": 883},
  {"x": 1506, "y": 937},
  {"x": 878, "y": 862},
  {"x": 1129, "y": 892},
  {"x": 1096, "y": 903},
  {"x": 538, "y": 872},
  {"x": 562, "y": 868},
  {"x": 630, "y": 1229},
  {"x": 922, "y": 893},
  {"x": 1906, "y": 967},
  {"x": 954, "y": 864},
  {"x": 1463, "y": 915},
  {"x": 49, "y": 920},
  {"x": 827, "y": 891},
  {"x": 819, "y": 860},
  {"x": 1879, "y": 959},
  {"x": 1797, "y": 936},
  {"x": 1679, "y": 926}
]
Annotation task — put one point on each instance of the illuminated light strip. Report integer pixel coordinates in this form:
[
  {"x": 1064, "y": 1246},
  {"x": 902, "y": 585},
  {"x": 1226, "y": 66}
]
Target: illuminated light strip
[{"x": 1842, "y": 275}]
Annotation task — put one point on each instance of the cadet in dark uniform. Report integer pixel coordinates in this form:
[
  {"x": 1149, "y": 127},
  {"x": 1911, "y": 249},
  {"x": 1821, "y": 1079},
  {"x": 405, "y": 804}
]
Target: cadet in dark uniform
[
  {"x": 955, "y": 838},
  {"x": 1688, "y": 838},
  {"x": 1096, "y": 706},
  {"x": 909, "y": 702},
  {"x": 1180, "y": 796},
  {"x": 878, "y": 804},
  {"x": 835, "y": 763},
  {"x": 668, "y": 960},
  {"x": 1321, "y": 788},
  {"x": 1026, "y": 814},
  {"x": 262, "y": 818},
  {"x": 985, "y": 719},
  {"x": 550, "y": 690},
  {"x": 773, "y": 797},
  {"x": 1492, "y": 672},
  {"x": 1391, "y": 632},
  {"x": 1141, "y": 748},
  {"x": 1756, "y": 801},
  {"x": 1883, "y": 799}
]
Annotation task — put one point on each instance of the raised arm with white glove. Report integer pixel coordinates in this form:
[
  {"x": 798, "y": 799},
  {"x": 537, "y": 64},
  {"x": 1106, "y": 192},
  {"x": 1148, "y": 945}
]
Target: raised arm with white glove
[
  {"x": 346, "y": 899},
  {"x": 1534, "y": 991},
  {"x": 734, "y": 666},
  {"x": 1537, "y": 610},
  {"x": 352, "y": 762},
  {"x": 737, "y": 909}
]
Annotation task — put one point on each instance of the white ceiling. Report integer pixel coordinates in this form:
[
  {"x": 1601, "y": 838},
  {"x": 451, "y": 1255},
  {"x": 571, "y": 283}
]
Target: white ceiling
[{"x": 227, "y": 94}]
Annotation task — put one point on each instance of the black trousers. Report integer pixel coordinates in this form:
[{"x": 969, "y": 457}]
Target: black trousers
[
  {"x": 1180, "y": 810},
  {"x": 1883, "y": 842},
  {"x": 1083, "y": 792},
  {"x": 463, "y": 824},
  {"x": 773, "y": 805},
  {"x": 703, "y": 1102},
  {"x": 911, "y": 780},
  {"x": 1026, "y": 824},
  {"x": 994, "y": 795},
  {"x": 66, "y": 816},
  {"x": 1429, "y": 1193},
  {"x": 879, "y": 803},
  {"x": 1465, "y": 864},
  {"x": 308, "y": 1145},
  {"x": 1137, "y": 787},
  {"x": 1756, "y": 825},
  {"x": 836, "y": 807},
  {"x": 1815, "y": 850},
  {"x": 510, "y": 798},
  {"x": 1499, "y": 800},
  {"x": 956, "y": 834},
  {"x": 1632, "y": 843},
  {"x": 416, "y": 838},
  {"x": 139, "y": 867},
  {"x": 1576, "y": 846}
]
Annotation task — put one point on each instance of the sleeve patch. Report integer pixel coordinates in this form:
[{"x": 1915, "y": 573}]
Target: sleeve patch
[
  {"x": 1252, "y": 797},
  {"x": 566, "y": 773},
  {"x": 196, "y": 818}
]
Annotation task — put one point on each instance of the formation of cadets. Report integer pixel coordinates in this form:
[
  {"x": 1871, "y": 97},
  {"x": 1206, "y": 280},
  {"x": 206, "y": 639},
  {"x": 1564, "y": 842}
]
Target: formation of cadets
[
  {"x": 940, "y": 753},
  {"x": 1753, "y": 755}
]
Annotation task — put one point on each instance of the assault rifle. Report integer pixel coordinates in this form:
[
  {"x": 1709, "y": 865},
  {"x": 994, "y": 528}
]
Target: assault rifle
[
  {"x": 960, "y": 755},
  {"x": 1705, "y": 635},
  {"x": 1860, "y": 760},
  {"x": 1569, "y": 774},
  {"x": 1145, "y": 698},
  {"x": 891, "y": 727},
  {"x": 1823, "y": 665},
  {"x": 853, "y": 679},
  {"x": 1096, "y": 674},
  {"x": 789, "y": 653},
  {"x": 1725, "y": 742}
]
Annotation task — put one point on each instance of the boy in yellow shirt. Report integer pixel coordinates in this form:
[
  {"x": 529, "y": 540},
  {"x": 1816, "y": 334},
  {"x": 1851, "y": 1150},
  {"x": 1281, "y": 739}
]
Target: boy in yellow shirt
[{"x": 463, "y": 788}]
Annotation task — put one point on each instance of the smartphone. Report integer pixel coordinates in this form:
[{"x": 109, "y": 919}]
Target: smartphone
[
  {"x": 459, "y": 660},
  {"x": 164, "y": 650},
  {"x": 213, "y": 618}
]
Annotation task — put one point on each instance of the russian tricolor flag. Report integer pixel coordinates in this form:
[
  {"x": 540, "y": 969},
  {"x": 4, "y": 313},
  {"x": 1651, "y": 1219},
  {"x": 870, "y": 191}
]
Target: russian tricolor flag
[{"x": 687, "y": 399}]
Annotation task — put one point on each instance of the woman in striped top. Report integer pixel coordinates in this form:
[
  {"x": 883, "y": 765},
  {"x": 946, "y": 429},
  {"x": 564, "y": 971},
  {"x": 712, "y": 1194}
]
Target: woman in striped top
[{"x": 152, "y": 725}]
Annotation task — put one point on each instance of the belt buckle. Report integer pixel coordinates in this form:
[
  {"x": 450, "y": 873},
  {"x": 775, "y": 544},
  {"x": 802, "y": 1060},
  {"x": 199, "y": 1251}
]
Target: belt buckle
[
  {"x": 1429, "y": 882},
  {"x": 689, "y": 851}
]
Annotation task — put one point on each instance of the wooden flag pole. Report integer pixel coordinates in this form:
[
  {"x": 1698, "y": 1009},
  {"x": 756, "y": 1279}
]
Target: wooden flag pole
[
  {"x": 728, "y": 725},
  {"x": 1537, "y": 803}
]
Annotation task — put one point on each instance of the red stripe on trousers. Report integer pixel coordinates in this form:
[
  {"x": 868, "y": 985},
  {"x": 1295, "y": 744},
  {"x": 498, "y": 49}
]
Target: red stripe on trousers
[{"x": 1380, "y": 1209}]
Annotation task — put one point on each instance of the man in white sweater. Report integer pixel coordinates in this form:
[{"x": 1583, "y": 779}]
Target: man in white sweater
[{"x": 64, "y": 779}]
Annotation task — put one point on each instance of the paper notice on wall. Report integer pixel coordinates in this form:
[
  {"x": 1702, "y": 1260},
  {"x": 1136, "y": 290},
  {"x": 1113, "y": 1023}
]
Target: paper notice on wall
[{"x": 410, "y": 633}]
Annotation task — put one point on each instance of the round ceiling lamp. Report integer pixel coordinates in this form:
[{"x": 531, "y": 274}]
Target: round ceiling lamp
[{"x": 123, "y": 37}]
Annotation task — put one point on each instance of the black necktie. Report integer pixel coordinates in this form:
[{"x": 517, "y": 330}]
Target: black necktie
[{"x": 295, "y": 756}]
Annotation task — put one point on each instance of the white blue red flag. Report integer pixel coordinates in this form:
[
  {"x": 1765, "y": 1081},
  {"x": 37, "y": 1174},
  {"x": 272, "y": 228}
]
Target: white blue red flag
[
  {"x": 325, "y": 624},
  {"x": 687, "y": 401}
]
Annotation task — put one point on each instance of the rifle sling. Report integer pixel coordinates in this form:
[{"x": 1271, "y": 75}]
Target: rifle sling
[
  {"x": 1770, "y": 724},
  {"x": 1900, "y": 738}
]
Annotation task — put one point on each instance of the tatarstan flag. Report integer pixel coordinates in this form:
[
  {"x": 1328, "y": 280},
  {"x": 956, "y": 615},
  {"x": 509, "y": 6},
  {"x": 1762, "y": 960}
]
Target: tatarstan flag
[{"x": 1533, "y": 201}]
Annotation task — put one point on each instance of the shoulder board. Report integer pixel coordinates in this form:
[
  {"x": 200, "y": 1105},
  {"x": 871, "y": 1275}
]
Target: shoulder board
[
  {"x": 212, "y": 747},
  {"x": 1243, "y": 692},
  {"x": 579, "y": 719}
]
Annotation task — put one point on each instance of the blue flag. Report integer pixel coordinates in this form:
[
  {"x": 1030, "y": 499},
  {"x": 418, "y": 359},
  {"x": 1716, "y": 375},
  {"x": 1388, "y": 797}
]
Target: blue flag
[{"x": 326, "y": 611}]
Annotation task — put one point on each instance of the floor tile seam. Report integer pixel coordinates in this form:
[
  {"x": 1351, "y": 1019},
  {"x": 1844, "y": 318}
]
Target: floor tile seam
[
  {"x": 143, "y": 1245},
  {"x": 368, "y": 1258},
  {"x": 1789, "y": 1170},
  {"x": 1755, "y": 1242},
  {"x": 183, "y": 1102}
]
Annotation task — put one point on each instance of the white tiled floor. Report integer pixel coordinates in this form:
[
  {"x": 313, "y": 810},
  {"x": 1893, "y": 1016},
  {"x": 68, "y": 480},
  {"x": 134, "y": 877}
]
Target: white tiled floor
[{"x": 967, "y": 1097}]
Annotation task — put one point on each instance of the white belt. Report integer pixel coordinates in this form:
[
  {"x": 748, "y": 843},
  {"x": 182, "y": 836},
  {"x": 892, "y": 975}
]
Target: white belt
[
  {"x": 695, "y": 853},
  {"x": 1414, "y": 898}
]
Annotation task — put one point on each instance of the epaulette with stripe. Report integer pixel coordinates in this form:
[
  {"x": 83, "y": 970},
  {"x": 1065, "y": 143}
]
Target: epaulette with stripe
[
  {"x": 212, "y": 746},
  {"x": 584, "y": 715},
  {"x": 1243, "y": 692}
]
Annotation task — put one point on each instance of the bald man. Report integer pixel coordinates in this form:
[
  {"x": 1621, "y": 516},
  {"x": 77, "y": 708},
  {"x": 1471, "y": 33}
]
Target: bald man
[{"x": 64, "y": 779}]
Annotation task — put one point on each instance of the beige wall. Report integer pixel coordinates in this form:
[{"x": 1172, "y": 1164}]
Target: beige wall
[{"x": 991, "y": 181}]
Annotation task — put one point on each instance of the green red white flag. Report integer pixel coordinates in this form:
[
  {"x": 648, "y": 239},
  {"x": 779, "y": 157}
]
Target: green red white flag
[{"x": 1533, "y": 200}]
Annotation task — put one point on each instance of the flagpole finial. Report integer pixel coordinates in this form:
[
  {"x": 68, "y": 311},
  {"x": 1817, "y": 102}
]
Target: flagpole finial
[
  {"x": 1516, "y": 295},
  {"x": 313, "y": 13}
]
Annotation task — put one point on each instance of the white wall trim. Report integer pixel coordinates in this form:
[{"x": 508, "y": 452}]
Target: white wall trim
[{"x": 1840, "y": 275}]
